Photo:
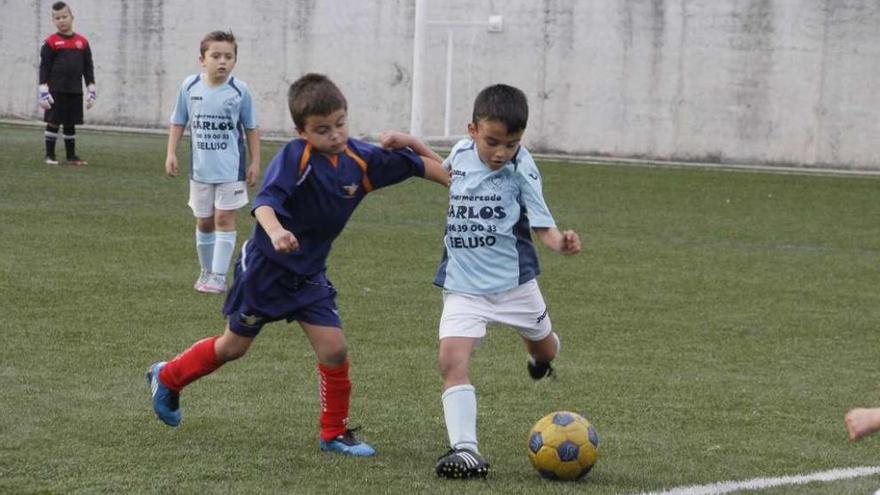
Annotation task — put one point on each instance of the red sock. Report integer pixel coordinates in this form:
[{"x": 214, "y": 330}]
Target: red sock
[
  {"x": 190, "y": 365},
  {"x": 334, "y": 390}
]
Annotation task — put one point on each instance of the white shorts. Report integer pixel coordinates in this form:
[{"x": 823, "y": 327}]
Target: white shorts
[
  {"x": 523, "y": 308},
  {"x": 204, "y": 198}
]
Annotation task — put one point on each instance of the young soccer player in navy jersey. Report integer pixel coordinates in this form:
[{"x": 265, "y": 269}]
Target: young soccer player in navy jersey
[
  {"x": 65, "y": 61},
  {"x": 310, "y": 190},
  {"x": 220, "y": 113},
  {"x": 489, "y": 264}
]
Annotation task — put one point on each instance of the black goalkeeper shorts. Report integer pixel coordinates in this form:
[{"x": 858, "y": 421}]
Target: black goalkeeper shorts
[{"x": 67, "y": 110}]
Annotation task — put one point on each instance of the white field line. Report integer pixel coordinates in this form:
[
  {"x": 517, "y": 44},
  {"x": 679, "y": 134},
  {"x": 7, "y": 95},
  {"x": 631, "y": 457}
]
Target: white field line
[{"x": 762, "y": 483}]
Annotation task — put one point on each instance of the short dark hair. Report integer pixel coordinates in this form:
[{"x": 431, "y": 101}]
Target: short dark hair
[
  {"x": 59, "y": 6},
  {"x": 503, "y": 103},
  {"x": 313, "y": 94},
  {"x": 214, "y": 36}
]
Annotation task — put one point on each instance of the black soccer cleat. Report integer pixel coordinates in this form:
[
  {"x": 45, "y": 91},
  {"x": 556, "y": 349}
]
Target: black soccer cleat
[
  {"x": 539, "y": 369},
  {"x": 462, "y": 464}
]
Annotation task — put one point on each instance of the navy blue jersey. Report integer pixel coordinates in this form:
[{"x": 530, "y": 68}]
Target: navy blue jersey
[
  {"x": 65, "y": 60},
  {"x": 314, "y": 195}
]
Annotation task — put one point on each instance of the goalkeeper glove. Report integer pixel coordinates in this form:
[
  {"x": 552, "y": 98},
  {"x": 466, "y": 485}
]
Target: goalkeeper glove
[
  {"x": 45, "y": 99},
  {"x": 92, "y": 96}
]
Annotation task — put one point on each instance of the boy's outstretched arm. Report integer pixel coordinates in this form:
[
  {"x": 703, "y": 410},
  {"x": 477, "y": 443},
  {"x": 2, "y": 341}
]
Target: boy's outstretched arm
[
  {"x": 253, "y": 144},
  {"x": 434, "y": 171},
  {"x": 282, "y": 239},
  {"x": 433, "y": 162},
  {"x": 174, "y": 134},
  {"x": 566, "y": 242}
]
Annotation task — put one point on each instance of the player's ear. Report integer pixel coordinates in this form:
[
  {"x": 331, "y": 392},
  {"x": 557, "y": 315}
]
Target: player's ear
[{"x": 472, "y": 130}]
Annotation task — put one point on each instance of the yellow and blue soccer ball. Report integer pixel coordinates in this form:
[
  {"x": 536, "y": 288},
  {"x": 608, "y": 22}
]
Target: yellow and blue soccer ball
[{"x": 563, "y": 446}]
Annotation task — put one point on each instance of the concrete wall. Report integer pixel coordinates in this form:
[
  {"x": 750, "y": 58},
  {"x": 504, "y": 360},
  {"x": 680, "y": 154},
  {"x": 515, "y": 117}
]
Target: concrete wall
[{"x": 747, "y": 81}]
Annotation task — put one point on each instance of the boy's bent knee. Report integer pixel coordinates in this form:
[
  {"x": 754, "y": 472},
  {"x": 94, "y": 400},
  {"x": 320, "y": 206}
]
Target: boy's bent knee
[
  {"x": 453, "y": 370},
  {"x": 232, "y": 347},
  {"x": 226, "y": 354},
  {"x": 205, "y": 224},
  {"x": 224, "y": 220},
  {"x": 334, "y": 357}
]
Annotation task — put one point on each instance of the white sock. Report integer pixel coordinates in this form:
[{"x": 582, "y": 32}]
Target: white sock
[
  {"x": 460, "y": 411},
  {"x": 223, "y": 250},
  {"x": 205, "y": 249}
]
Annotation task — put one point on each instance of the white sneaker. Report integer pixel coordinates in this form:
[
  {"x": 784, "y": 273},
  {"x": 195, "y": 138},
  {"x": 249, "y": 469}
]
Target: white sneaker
[
  {"x": 216, "y": 284},
  {"x": 202, "y": 280}
]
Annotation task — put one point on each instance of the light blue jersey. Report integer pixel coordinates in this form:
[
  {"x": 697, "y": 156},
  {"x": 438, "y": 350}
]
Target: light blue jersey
[
  {"x": 217, "y": 117},
  {"x": 488, "y": 247}
]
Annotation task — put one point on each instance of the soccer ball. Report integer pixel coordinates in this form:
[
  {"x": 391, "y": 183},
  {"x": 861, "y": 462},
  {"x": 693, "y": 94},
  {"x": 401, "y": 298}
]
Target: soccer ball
[{"x": 563, "y": 446}]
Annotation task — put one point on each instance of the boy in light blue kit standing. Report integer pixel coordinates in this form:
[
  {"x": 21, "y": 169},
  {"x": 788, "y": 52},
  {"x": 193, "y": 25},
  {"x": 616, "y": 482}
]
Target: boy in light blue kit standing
[
  {"x": 489, "y": 264},
  {"x": 219, "y": 110}
]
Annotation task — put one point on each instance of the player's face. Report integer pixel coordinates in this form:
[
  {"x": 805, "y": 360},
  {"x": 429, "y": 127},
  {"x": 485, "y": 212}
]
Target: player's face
[
  {"x": 495, "y": 145},
  {"x": 327, "y": 133},
  {"x": 218, "y": 60},
  {"x": 63, "y": 20}
]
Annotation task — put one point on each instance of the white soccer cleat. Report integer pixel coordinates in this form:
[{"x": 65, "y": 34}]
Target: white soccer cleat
[
  {"x": 215, "y": 284},
  {"x": 200, "y": 282}
]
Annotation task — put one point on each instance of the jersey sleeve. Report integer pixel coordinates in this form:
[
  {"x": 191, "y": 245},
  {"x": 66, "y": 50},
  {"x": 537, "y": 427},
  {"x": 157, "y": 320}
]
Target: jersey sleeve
[
  {"x": 450, "y": 158},
  {"x": 88, "y": 65},
  {"x": 247, "y": 117},
  {"x": 531, "y": 194},
  {"x": 282, "y": 177},
  {"x": 180, "y": 114},
  {"x": 386, "y": 167},
  {"x": 47, "y": 56}
]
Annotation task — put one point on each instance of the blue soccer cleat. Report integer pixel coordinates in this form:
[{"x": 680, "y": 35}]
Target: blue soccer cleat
[
  {"x": 166, "y": 403},
  {"x": 347, "y": 444}
]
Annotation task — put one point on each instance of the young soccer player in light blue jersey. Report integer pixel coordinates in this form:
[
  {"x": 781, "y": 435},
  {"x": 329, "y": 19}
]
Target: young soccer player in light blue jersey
[
  {"x": 489, "y": 264},
  {"x": 220, "y": 113}
]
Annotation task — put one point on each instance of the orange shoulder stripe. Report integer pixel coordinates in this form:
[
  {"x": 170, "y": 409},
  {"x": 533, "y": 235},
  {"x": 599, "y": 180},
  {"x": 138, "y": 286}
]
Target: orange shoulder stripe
[
  {"x": 304, "y": 159},
  {"x": 368, "y": 186}
]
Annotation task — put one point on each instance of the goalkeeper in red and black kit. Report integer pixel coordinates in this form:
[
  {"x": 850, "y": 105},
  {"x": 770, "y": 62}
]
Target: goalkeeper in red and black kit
[{"x": 65, "y": 61}]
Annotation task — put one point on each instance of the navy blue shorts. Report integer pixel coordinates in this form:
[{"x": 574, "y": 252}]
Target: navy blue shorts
[{"x": 264, "y": 291}]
